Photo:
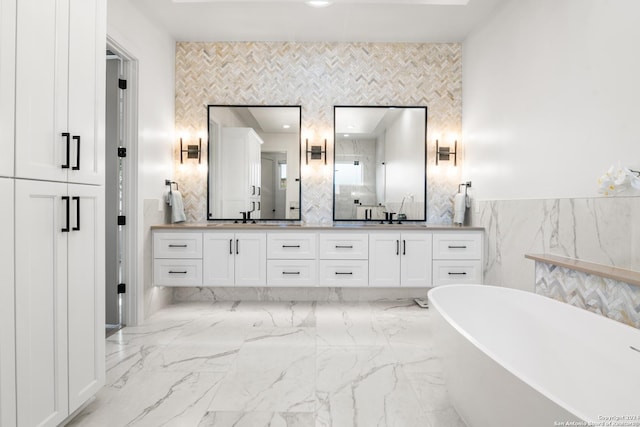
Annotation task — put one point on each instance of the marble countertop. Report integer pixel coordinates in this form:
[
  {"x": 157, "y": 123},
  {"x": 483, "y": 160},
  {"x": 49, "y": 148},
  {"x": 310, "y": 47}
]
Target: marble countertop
[
  {"x": 608, "y": 271},
  {"x": 298, "y": 226}
]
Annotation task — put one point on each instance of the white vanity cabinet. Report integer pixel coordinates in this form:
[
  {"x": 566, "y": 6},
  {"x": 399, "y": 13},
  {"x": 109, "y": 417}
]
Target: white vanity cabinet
[
  {"x": 400, "y": 259},
  {"x": 376, "y": 256},
  {"x": 344, "y": 259},
  {"x": 59, "y": 80},
  {"x": 234, "y": 259},
  {"x": 240, "y": 172},
  {"x": 59, "y": 298},
  {"x": 177, "y": 259},
  {"x": 457, "y": 258},
  {"x": 292, "y": 259}
]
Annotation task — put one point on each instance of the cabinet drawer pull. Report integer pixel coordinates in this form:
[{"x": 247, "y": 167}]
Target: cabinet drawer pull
[
  {"x": 290, "y": 246},
  {"x": 230, "y": 246},
  {"x": 456, "y": 274},
  {"x": 177, "y": 246},
  {"x": 404, "y": 247},
  {"x": 397, "y": 247},
  {"x": 291, "y": 272},
  {"x": 343, "y": 273},
  {"x": 177, "y": 272},
  {"x": 457, "y": 247},
  {"x": 237, "y": 247},
  {"x": 344, "y": 246}
]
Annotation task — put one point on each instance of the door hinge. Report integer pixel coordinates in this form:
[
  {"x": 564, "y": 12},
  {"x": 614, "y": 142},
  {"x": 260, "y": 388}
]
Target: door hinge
[
  {"x": 122, "y": 84},
  {"x": 122, "y": 288},
  {"x": 122, "y": 152},
  {"x": 122, "y": 220}
]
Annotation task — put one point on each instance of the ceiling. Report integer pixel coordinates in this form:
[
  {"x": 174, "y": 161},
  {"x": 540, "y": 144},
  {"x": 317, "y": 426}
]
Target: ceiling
[{"x": 342, "y": 21}]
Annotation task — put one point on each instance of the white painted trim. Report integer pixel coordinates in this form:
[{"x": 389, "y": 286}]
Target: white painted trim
[{"x": 133, "y": 274}]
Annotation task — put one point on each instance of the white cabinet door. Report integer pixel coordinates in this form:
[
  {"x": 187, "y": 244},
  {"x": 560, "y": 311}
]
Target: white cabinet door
[
  {"x": 41, "y": 303},
  {"x": 415, "y": 264},
  {"x": 251, "y": 259},
  {"x": 218, "y": 259},
  {"x": 7, "y": 320},
  {"x": 7, "y": 85},
  {"x": 384, "y": 259},
  {"x": 85, "y": 289},
  {"x": 400, "y": 259},
  {"x": 59, "y": 90}
]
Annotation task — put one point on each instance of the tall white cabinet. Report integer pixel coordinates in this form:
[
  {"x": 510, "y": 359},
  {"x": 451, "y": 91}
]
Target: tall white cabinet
[
  {"x": 7, "y": 312},
  {"x": 7, "y": 88},
  {"x": 241, "y": 180},
  {"x": 52, "y": 215}
]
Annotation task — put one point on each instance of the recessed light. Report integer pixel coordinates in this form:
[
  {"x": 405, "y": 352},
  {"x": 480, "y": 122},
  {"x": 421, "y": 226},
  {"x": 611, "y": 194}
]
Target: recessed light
[
  {"x": 286, "y": 126},
  {"x": 318, "y": 3},
  {"x": 346, "y": 135}
]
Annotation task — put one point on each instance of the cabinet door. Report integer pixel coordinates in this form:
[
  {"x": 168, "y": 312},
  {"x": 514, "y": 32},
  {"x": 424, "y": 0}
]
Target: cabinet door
[
  {"x": 251, "y": 259},
  {"x": 87, "y": 89},
  {"x": 60, "y": 90},
  {"x": 218, "y": 251},
  {"x": 41, "y": 303},
  {"x": 7, "y": 85},
  {"x": 85, "y": 284},
  {"x": 415, "y": 265},
  {"x": 384, "y": 259},
  {"x": 42, "y": 41},
  {"x": 7, "y": 320}
]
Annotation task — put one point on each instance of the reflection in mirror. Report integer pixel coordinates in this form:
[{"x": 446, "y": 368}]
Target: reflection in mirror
[
  {"x": 380, "y": 163},
  {"x": 254, "y": 162}
]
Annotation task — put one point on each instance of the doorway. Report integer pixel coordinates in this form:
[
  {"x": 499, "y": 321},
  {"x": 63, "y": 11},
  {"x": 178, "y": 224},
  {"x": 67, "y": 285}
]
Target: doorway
[{"x": 120, "y": 189}]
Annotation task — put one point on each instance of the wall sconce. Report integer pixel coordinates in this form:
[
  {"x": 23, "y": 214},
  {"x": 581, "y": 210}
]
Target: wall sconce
[
  {"x": 445, "y": 153},
  {"x": 193, "y": 151},
  {"x": 317, "y": 152}
]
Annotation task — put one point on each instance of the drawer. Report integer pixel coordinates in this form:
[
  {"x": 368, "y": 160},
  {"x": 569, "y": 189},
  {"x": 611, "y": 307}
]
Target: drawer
[
  {"x": 291, "y": 245},
  {"x": 457, "y": 246},
  {"x": 447, "y": 272},
  {"x": 344, "y": 273},
  {"x": 344, "y": 246},
  {"x": 177, "y": 272},
  {"x": 177, "y": 245},
  {"x": 295, "y": 272}
]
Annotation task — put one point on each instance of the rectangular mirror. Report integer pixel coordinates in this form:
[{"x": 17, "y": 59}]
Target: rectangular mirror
[
  {"x": 254, "y": 162},
  {"x": 380, "y": 159}
]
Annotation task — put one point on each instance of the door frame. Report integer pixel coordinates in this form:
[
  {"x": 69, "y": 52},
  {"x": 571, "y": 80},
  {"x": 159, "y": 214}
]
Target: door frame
[{"x": 132, "y": 274}]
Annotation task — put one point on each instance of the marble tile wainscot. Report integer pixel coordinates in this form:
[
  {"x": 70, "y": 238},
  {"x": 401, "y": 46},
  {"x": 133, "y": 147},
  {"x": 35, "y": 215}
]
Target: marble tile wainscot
[
  {"x": 610, "y": 291},
  {"x": 293, "y": 262}
]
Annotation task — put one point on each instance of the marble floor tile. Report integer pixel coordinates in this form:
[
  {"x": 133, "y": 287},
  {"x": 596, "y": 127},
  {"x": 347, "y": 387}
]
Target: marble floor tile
[{"x": 290, "y": 364}]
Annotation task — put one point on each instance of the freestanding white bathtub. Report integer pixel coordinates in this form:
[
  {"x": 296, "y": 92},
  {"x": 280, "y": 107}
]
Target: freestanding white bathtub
[{"x": 514, "y": 358}]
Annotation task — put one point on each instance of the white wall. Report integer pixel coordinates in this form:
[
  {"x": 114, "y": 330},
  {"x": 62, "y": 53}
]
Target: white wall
[
  {"x": 551, "y": 92},
  {"x": 154, "y": 51}
]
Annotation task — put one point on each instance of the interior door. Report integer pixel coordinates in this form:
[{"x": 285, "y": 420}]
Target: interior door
[{"x": 268, "y": 195}]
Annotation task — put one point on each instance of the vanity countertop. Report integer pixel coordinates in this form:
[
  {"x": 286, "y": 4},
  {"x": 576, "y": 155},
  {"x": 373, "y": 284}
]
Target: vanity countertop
[{"x": 298, "y": 226}]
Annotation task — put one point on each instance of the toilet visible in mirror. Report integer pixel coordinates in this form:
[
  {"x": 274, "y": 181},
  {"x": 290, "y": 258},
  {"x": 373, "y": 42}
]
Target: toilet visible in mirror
[
  {"x": 379, "y": 163},
  {"x": 254, "y": 162}
]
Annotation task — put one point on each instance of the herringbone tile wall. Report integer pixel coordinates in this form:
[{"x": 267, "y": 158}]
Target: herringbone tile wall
[
  {"x": 318, "y": 76},
  {"x": 615, "y": 300}
]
